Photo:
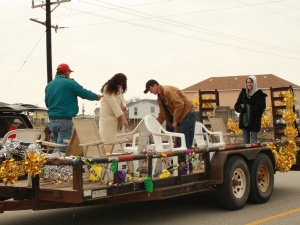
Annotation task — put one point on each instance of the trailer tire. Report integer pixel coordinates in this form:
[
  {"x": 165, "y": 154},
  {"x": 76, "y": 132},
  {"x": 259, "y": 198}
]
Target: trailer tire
[
  {"x": 262, "y": 179},
  {"x": 234, "y": 192}
]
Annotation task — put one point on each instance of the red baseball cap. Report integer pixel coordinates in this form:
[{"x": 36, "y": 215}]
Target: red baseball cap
[{"x": 64, "y": 66}]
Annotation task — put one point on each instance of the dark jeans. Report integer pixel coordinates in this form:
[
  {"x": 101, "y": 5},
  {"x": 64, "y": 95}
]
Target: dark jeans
[
  {"x": 249, "y": 136},
  {"x": 187, "y": 127}
]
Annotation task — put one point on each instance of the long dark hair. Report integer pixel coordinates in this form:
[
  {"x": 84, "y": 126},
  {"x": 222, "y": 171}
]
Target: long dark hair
[{"x": 112, "y": 84}]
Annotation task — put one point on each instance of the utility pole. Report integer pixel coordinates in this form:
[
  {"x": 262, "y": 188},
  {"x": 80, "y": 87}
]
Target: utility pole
[
  {"x": 48, "y": 32},
  {"x": 48, "y": 41}
]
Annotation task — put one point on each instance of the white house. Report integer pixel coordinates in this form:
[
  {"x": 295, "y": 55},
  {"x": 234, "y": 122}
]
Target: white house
[{"x": 138, "y": 110}]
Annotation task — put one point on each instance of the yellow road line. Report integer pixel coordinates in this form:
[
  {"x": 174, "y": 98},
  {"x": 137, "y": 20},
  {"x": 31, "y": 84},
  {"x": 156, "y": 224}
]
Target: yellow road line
[{"x": 274, "y": 217}]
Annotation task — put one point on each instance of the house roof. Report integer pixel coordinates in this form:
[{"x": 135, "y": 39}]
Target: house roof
[
  {"x": 152, "y": 101},
  {"x": 264, "y": 81}
]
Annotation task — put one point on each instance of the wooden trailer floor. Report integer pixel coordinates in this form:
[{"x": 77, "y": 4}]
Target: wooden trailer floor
[{"x": 87, "y": 183}]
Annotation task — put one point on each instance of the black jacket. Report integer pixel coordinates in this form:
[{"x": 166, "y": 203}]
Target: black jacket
[{"x": 258, "y": 105}]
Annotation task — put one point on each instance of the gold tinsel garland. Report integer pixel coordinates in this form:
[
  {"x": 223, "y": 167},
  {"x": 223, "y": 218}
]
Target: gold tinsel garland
[
  {"x": 285, "y": 154},
  {"x": 10, "y": 169},
  {"x": 232, "y": 126},
  {"x": 266, "y": 120},
  {"x": 196, "y": 102},
  {"x": 33, "y": 163}
]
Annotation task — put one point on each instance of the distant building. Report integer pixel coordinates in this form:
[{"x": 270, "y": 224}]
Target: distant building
[
  {"x": 39, "y": 117},
  {"x": 139, "y": 109},
  {"x": 136, "y": 111},
  {"x": 97, "y": 114}
]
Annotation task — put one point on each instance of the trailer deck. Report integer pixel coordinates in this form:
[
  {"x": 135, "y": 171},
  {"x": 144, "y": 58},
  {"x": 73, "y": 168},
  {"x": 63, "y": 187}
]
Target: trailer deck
[{"x": 80, "y": 191}]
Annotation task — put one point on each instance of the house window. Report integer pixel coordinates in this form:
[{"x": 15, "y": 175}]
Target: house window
[
  {"x": 152, "y": 109},
  {"x": 135, "y": 111}
]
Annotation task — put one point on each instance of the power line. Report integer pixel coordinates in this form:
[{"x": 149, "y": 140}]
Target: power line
[
  {"x": 196, "y": 38},
  {"x": 289, "y": 6},
  {"x": 135, "y": 5},
  {"x": 269, "y": 11},
  {"x": 207, "y": 31},
  {"x": 186, "y": 26},
  {"x": 21, "y": 67}
]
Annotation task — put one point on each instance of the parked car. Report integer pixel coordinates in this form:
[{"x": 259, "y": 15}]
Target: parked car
[{"x": 9, "y": 112}]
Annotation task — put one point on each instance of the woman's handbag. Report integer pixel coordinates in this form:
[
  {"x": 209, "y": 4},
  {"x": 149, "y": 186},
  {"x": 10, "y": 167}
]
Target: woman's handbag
[{"x": 247, "y": 116}]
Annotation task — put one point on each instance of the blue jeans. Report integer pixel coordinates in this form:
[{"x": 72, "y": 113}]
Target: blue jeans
[
  {"x": 187, "y": 127},
  {"x": 61, "y": 129},
  {"x": 249, "y": 134}
]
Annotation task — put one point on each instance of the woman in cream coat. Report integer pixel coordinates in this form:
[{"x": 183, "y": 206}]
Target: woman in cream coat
[{"x": 112, "y": 109}]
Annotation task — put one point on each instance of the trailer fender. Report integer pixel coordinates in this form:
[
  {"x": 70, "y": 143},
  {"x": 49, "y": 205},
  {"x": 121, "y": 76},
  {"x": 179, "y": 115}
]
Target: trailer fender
[{"x": 219, "y": 158}]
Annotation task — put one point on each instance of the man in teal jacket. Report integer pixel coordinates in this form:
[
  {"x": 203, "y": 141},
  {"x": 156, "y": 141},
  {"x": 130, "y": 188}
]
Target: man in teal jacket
[{"x": 61, "y": 100}]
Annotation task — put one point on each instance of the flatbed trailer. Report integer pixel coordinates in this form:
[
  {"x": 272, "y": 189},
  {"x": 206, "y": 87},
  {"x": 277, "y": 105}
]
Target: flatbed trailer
[{"x": 240, "y": 173}]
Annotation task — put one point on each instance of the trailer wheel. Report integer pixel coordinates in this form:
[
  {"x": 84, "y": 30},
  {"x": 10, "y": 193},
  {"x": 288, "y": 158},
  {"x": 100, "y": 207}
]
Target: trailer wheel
[
  {"x": 234, "y": 192},
  {"x": 262, "y": 179}
]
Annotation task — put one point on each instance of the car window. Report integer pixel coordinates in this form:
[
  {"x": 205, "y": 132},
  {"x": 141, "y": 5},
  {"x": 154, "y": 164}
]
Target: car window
[
  {"x": 9, "y": 112},
  {"x": 6, "y": 121},
  {"x": 3, "y": 128}
]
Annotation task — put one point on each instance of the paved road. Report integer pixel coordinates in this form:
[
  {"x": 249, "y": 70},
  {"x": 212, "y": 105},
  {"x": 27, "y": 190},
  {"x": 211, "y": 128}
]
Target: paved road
[{"x": 202, "y": 208}]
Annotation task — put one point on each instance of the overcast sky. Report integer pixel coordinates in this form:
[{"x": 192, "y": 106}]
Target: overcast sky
[{"x": 176, "y": 42}]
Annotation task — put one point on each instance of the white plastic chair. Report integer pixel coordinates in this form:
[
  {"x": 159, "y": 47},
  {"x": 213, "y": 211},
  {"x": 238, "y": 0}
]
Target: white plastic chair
[
  {"x": 134, "y": 148},
  {"x": 150, "y": 126},
  {"x": 26, "y": 135},
  {"x": 139, "y": 136},
  {"x": 34, "y": 136},
  {"x": 158, "y": 132},
  {"x": 200, "y": 136},
  {"x": 203, "y": 137},
  {"x": 135, "y": 142}
]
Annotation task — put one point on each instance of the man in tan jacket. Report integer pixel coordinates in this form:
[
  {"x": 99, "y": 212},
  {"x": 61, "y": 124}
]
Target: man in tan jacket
[{"x": 174, "y": 108}]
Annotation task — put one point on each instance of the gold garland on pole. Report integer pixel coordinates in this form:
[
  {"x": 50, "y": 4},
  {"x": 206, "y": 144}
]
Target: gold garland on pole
[{"x": 285, "y": 155}]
